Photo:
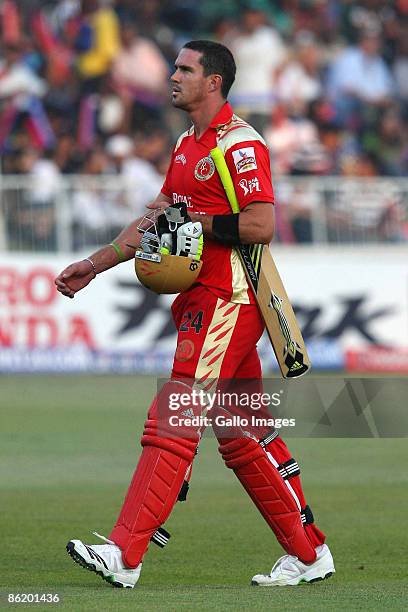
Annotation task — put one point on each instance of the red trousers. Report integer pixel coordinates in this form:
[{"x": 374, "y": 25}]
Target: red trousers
[{"x": 216, "y": 346}]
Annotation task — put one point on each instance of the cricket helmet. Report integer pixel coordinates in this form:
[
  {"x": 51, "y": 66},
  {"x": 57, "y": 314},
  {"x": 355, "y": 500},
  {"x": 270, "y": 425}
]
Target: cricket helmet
[
  {"x": 168, "y": 273},
  {"x": 159, "y": 270}
]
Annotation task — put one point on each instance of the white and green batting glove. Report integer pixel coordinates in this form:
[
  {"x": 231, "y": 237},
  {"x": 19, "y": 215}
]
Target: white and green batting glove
[
  {"x": 178, "y": 234},
  {"x": 190, "y": 240}
]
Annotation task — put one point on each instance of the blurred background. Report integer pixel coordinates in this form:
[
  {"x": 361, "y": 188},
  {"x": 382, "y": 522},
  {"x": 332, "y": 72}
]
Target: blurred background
[{"x": 86, "y": 131}]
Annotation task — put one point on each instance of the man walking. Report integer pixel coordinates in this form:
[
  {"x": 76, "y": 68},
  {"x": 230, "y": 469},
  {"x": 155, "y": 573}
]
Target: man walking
[{"x": 218, "y": 325}]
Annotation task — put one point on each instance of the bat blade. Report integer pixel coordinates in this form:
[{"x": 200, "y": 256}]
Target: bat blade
[
  {"x": 280, "y": 320},
  {"x": 273, "y": 302}
]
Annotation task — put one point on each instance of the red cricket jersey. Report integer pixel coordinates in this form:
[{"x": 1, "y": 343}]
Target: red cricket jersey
[{"x": 193, "y": 178}]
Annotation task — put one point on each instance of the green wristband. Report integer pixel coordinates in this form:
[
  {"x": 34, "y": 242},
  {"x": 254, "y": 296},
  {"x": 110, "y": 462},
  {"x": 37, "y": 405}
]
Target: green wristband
[{"x": 118, "y": 251}]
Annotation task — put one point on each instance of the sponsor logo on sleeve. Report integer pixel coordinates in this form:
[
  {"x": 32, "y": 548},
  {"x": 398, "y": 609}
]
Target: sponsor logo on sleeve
[
  {"x": 244, "y": 159},
  {"x": 249, "y": 186}
]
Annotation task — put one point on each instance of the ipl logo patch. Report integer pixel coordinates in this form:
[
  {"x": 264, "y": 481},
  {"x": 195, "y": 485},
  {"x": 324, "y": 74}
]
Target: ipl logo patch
[
  {"x": 249, "y": 186},
  {"x": 204, "y": 169}
]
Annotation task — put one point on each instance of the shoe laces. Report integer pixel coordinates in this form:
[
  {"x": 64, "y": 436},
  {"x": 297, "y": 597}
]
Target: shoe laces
[
  {"x": 284, "y": 563},
  {"x": 115, "y": 555},
  {"x": 101, "y": 537},
  {"x": 110, "y": 552}
]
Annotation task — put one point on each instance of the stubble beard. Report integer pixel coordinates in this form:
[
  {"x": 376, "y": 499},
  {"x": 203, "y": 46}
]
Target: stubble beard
[{"x": 180, "y": 104}]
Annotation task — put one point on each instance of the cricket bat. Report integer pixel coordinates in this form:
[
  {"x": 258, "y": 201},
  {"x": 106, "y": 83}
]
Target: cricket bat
[{"x": 273, "y": 302}]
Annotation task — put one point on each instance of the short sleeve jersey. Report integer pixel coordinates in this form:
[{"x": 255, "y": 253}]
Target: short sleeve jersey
[{"x": 193, "y": 178}]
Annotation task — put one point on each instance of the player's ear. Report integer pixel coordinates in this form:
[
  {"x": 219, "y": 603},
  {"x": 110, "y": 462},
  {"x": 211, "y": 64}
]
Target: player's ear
[{"x": 215, "y": 82}]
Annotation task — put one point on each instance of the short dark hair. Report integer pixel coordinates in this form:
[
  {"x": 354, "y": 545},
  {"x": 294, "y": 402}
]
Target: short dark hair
[{"x": 215, "y": 59}]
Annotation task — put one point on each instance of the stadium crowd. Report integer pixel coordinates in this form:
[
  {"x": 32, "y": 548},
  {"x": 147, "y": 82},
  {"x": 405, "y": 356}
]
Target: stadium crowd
[{"x": 84, "y": 88}]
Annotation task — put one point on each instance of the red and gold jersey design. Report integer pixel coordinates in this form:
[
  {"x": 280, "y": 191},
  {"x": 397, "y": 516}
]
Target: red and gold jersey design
[{"x": 192, "y": 178}]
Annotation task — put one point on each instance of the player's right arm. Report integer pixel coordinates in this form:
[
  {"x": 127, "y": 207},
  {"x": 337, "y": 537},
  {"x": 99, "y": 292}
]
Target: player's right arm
[{"x": 80, "y": 273}]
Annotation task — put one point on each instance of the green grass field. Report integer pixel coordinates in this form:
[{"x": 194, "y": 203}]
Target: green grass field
[{"x": 68, "y": 449}]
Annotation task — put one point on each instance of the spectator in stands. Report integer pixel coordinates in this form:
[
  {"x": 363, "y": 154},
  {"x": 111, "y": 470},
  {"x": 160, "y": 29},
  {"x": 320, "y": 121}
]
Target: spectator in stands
[
  {"x": 357, "y": 16},
  {"x": 386, "y": 17},
  {"x": 66, "y": 155},
  {"x": 35, "y": 212},
  {"x": 153, "y": 144},
  {"x": 389, "y": 144},
  {"x": 21, "y": 91},
  {"x": 140, "y": 76},
  {"x": 17, "y": 80},
  {"x": 10, "y": 22},
  {"x": 141, "y": 180},
  {"x": 400, "y": 68},
  {"x": 290, "y": 139},
  {"x": 113, "y": 114},
  {"x": 225, "y": 30},
  {"x": 393, "y": 224},
  {"x": 358, "y": 79},
  {"x": 97, "y": 42},
  {"x": 299, "y": 211},
  {"x": 63, "y": 12},
  {"x": 376, "y": 214},
  {"x": 258, "y": 51},
  {"x": 57, "y": 54},
  {"x": 92, "y": 206},
  {"x": 298, "y": 82},
  {"x": 45, "y": 184}
]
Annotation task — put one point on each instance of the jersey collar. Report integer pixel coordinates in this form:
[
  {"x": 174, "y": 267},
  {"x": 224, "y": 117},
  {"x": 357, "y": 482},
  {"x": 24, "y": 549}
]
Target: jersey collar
[{"x": 223, "y": 116}]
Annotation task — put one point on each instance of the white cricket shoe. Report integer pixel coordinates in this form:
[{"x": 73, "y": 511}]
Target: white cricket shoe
[
  {"x": 290, "y": 571},
  {"x": 105, "y": 560}
]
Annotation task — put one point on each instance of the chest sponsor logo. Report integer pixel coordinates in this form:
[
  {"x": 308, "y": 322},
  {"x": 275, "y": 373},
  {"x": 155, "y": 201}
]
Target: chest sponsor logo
[
  {"x": 180, "y": 159},
  {"x": 249, "y": 186},
  {"x": 244, "y": 159},
  {"x": 204, "y": 169}
]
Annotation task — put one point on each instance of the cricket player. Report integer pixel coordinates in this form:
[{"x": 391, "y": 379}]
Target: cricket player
[{"x": 218, "y": 324}]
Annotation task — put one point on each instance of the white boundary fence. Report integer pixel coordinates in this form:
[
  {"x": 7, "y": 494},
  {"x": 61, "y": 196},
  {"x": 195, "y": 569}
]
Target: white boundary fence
[{"x": 77, "y": 212}]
